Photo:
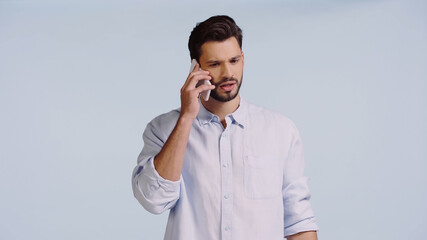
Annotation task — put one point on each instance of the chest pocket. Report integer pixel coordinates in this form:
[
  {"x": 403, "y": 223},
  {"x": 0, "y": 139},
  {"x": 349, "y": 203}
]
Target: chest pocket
[{"x": 262, "y": 177}]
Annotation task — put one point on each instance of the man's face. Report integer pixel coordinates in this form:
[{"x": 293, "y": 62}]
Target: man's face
[{"x": 224, "y": 61}]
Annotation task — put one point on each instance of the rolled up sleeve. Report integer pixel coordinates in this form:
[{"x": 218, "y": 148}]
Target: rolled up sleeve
[
  {"x": 153, "y": 192},
  {"x": 298, "y": 212}
]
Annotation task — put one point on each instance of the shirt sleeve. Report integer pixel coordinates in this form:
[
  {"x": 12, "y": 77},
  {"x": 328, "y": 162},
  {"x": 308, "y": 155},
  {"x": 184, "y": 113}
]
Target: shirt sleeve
[
  {"x": 298, "y": 213},
  {"x": 153, "y": 192}
]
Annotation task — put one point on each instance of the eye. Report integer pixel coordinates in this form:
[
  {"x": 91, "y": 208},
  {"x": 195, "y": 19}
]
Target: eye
[
  {"x": 235, "y": 60},
  {"x": 213, "y": 64}
]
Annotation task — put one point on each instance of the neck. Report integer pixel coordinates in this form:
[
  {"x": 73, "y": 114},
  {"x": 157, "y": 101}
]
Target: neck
[{"x": 221, "y": 109}]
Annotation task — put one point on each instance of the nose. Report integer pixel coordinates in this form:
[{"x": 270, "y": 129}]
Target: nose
[{"x": 226, "y": 71}]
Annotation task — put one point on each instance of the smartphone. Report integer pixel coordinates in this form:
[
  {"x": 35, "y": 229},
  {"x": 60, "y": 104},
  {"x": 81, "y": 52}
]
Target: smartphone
[{"x": 205, "y": 94}]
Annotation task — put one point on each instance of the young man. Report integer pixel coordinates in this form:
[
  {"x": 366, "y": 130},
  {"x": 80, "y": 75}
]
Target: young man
[{"x": 225, "y": 169}]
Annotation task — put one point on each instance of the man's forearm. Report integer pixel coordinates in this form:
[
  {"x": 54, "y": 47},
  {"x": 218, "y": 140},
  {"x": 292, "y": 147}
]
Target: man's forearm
[
  {"x": 311, "y": 235},
  {"x": 170, "y": 159}
]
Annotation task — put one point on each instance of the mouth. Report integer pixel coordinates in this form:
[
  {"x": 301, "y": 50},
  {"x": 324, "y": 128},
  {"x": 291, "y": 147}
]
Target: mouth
[{"x": 228, "y": 86}]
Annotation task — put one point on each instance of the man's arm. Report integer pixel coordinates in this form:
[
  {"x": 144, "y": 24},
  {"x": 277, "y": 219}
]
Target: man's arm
[
  {"x": 311, "y": 235},
  {"x": 170, "y": 159},
  {"x": 298, "y": 213},
  {"x": 155, "y": 180}
]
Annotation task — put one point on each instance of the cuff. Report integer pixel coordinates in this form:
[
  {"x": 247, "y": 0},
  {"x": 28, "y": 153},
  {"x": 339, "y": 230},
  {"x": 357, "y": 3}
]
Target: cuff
[
  {"x": 156, "y": 181},
  {"x": 305, "y": 225}
]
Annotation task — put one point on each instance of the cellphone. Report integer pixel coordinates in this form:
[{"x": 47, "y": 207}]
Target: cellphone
[{"x": 204, "y": 94}]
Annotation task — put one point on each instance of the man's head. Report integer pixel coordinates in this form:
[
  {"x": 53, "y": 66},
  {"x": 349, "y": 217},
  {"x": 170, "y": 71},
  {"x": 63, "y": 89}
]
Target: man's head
[
  {"x": 217, "y": 45},
  {"x": 216, "y": 28}
]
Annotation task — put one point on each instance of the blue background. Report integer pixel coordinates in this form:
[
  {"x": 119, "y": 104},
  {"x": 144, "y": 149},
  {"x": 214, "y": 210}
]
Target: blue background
[{"x": 81, "y": 79}]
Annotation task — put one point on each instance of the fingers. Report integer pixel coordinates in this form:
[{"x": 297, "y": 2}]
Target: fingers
[
  {"x": 204, "y": 87},
  {"x": 195, "y": 76},
  {"x": 195, "y": 92}
]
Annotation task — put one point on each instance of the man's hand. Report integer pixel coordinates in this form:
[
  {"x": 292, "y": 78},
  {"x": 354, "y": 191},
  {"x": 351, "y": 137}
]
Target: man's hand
[
  {"x": 190, "y": 94},
  {"x": 311, "y": 235}
]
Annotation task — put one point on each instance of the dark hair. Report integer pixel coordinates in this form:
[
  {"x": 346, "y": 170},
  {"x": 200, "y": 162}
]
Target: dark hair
[{"x": 216, "y": 28}]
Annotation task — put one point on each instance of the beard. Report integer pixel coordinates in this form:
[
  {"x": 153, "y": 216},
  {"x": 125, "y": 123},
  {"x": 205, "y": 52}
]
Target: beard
[{"x": 227, "y": 96}]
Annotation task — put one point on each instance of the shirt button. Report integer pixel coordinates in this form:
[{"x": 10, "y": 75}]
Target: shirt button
[
  {"x": 227, "y": 196},
  {"x": 225, "y": 165},
  {"x": 227, "y": 228}
]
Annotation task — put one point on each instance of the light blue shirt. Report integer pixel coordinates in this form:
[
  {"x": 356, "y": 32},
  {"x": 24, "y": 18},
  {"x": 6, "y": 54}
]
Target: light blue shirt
[{"x": 244, "y": 181}]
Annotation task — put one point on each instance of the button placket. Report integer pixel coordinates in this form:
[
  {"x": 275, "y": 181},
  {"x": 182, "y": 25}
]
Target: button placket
[{"x": 226, "y": 183}]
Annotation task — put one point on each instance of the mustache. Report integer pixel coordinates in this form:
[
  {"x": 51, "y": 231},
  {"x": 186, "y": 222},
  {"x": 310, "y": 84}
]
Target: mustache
[{"x": 225, "y": 80}]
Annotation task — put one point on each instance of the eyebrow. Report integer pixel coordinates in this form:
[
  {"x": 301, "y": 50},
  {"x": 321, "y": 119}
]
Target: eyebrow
[{"x": 216, "y": 61}]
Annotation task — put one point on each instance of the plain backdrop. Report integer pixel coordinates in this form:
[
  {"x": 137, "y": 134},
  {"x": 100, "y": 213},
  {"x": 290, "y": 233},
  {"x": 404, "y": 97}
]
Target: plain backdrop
[{"x": 79, "y": 81}]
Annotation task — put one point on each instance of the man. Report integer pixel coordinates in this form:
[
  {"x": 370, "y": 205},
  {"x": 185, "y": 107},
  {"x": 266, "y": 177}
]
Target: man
[{"x": 225, "y": 169}]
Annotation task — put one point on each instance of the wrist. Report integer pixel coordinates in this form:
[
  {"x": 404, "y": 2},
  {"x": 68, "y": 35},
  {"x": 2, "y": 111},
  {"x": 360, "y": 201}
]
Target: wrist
[{"x": 185, "y": 119}]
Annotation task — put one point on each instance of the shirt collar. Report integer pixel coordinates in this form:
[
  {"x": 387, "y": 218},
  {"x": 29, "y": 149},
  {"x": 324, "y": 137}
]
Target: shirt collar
[
  {"x": 238, "y": 117},
  {"x": 204, "y": 116}
]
